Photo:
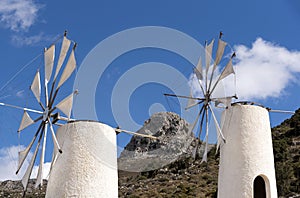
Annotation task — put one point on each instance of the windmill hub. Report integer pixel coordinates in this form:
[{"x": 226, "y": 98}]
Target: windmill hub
[
  {"x": 207, "y": 99},
  {"x": 46, "y": 114}
]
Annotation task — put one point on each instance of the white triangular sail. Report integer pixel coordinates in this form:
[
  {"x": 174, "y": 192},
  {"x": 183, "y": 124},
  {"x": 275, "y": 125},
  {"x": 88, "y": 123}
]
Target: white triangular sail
[
  {"x": 198, "y": 70},
  {"x": 227, "y": 70},
  {"x": 70, "y": 67},
  {"x": 36, "y": 86},
  {"x": 220, "y": 51},
  {"x": 66, "y": 105},
  {"x": 49, "y": 60},
  {"x": 191, "y": 102},
  {"x": 63, "y": 52},
  {"x": 27, "y": 174},
  {"x": 26, "y": 121},
  {"x": 39, "y": 179},
  {"x": 24, "y": 153},
  {"x": 208, "y": 55}
]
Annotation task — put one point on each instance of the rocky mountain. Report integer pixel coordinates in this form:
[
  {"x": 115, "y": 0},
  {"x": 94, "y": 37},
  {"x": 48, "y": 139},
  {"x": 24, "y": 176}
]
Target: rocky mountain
[
  {"x": 177, "y": 174},
  {"x": 173, "y": 141}
]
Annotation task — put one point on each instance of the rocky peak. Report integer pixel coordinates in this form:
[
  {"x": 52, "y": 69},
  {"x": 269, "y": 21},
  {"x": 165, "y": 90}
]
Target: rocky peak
[{"x": 174, "y": 140}]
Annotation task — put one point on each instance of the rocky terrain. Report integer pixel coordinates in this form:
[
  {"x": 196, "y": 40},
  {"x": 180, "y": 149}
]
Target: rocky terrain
[{"x": 177, "y": 174}]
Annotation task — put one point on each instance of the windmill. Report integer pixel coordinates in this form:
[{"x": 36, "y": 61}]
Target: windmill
[
  {"x": 48, "y": 114},
  {"x": 45, "y": 93},
  {"x": 209, "y": 78}
]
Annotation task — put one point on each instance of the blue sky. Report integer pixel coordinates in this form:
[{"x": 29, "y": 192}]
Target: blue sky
[{"x": 265, "y": 35}]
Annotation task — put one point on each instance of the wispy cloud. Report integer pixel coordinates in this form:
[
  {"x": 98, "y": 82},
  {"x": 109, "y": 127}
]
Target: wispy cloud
[
  {"x": 9, "y": 164},
  {"x": 265, "y": 69},
  {"x": 18, "y": 15},
  {"x": 21, "y": 40}
]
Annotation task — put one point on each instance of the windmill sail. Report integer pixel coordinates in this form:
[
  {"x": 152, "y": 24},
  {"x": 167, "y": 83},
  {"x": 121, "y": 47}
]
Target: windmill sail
[
  {"x": 26, "y": 121},
  {"x": 63, "y": 53},
  {"x": 70, "y": 67},
  {"x": 26, "y": 177},
  {"x": 208, "y": 55},
  {"x": 66, "y": 105},
  {"x": 49, "y": 61},
  {"x": 36, "y": 87},
  {"x": 198, "y": 70},
  {"x": 220, "y": 52}
]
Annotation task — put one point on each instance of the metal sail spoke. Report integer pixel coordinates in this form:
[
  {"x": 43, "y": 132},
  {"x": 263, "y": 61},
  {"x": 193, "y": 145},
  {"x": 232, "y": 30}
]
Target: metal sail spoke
[
  {"x": 216, "y": 123},
  {"x": 187, "y": 97},
  {"x": 186, "y": 108},
  {"x": 204, "y": 158},
  {"x": 70, "y": 67},
  {"x": 191, "y": 127},
  {"x": 28, "y": 172},
  {"x": 63, "y": 53},
  {"x": 199, "y": 134},
  {"x": 49, "y": 61},
  {"x": 55, "y": 142},
  {"x": 134, "y": 133},
  {"x": 39, "y": 179},
  {"x": 23, "y": 154},
  {"x": 21, "y": 108}
]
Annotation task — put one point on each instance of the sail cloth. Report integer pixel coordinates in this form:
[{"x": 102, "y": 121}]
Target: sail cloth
[
  {"x": 70, "y": 67},
  {"x": 36, "y": 86},
  {"x": 219, "y": 54},
  {"x": 227, "y": 71},
  {"x": 66, "y": 105},
  {"x": 23, "y": 154},
  {"x": 198, "y": 70},
  {"x": 208, "y": 55},
  {"x": 27, "y": 174},
  {"x": 63, "y": 52},
  {"x": 26, "y": 121},
  {"x": 191, "y": 102},
  {"x": 49, "y": 60}
]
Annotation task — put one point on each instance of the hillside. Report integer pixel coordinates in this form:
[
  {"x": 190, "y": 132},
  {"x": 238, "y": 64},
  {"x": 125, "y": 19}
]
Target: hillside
[{"x": 184, "y": 176}]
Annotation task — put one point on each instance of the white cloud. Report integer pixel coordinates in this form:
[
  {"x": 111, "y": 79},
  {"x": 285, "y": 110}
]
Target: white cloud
[
  {"x": 265, "y": 69},
  {"x": 20, "y": 40},
  {"x": 9, "y": 164},
  {"x": 18, "y": 15}
]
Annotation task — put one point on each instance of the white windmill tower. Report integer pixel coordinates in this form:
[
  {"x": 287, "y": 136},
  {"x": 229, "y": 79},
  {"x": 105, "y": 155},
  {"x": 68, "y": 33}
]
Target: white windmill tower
[
  {"x": 246, "y": 151},
  {"x": 84, "y": 152}
]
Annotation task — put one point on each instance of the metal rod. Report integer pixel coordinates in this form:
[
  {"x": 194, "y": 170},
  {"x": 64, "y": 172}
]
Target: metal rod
[
  {"x": 134, "y": 133},
  {"x": 22, "y": 108},
  {"x": 281, "y": 111},
  {"x": 188, "y": 97}
]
